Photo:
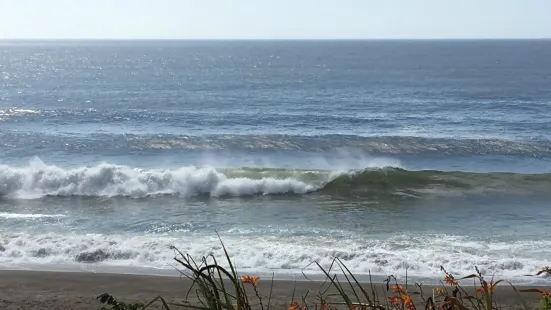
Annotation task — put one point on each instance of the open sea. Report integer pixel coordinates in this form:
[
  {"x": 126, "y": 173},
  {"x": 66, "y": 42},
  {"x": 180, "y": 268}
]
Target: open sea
[{"x": 391, "y": 155}]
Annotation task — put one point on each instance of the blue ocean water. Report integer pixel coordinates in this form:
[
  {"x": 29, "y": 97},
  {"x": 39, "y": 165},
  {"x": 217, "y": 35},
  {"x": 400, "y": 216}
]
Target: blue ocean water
[{"x": 391, "y": 155}]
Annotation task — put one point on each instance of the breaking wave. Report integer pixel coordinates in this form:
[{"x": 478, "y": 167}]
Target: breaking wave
[
  {"x": 38, "y": 180},
  {"x": 108, "y": 180}
]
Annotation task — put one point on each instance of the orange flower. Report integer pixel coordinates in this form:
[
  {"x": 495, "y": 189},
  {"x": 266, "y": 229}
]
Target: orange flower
[
  {"x": 294, "y": 306},
  {"x": 480, "y": 291},
  {"x": 408, "y": 302},
  {"x": 391, "y": 300},
  {"x": 491, "y": 288},
  {"x": 545, "y": 294},
  {"x": 450, "y": 280},
  {"x": 250, "y": 280},
  {"x": 440, "y": 291},
  {"x": 398, "y": 289}
]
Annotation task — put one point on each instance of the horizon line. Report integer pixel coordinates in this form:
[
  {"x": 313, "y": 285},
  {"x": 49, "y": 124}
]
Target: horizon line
[{"x": 280, "y": 39}]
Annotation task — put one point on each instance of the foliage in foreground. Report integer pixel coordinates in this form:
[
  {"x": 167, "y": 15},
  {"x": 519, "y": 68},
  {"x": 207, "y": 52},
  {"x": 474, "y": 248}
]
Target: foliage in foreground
[{"x": 219, "y": 288}]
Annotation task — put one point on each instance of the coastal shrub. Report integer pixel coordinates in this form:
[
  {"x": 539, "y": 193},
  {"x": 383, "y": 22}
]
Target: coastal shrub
[
  {"x": 545, "y": 303},
  {"x": 113, "y": 304}
]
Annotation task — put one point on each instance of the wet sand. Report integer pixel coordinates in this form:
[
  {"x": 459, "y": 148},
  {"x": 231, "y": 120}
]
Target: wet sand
[{"x": 73, "y": 290}]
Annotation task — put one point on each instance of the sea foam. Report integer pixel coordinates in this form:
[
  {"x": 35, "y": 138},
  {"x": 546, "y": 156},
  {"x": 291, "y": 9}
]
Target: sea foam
[{"x": 421, "y": 255}]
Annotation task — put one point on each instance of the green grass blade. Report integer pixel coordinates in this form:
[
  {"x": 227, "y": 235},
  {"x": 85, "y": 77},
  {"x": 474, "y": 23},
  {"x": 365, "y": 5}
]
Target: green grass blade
[
  {"x": 364, "y": 292},
  {"x": 337, "y": 286},
  {"x": 165, "y": 305},
  {"x": 522, "y": 302},
  {"x": 271, "y": 290},
  {"x": 240, "y": 294},
  {"x": 340, "y": 264},
  {"x": 222, "y": 285}
]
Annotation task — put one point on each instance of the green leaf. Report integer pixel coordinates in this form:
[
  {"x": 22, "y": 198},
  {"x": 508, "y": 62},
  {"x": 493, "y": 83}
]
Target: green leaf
[
  {"x": 531, "y": 290},
  {"x": 470, "y": 276},
  {"x": 546, "y": 270},
  {"x": 523, "y": 303},
  {"x": 457, "y": 304}
]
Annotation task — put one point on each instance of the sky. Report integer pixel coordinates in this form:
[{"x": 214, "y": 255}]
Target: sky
[{"x": 274, "y": 19}]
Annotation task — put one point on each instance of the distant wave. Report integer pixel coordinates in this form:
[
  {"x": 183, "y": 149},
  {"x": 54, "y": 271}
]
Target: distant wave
[
  {"x": 376, "y": 145},
  {"x": 17, "y": 112},
  {"x": 394, "y": 145},
  {"x": 38, "y": 180},
  {"x": 32, "y": 216}
]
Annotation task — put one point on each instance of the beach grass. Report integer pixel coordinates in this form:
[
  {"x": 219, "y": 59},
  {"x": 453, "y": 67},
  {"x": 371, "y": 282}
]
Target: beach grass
[{"x": 215, "y": 287}]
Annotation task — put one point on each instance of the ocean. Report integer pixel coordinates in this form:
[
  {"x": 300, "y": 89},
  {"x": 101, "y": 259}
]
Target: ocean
[{"x": 394, "y": 156}]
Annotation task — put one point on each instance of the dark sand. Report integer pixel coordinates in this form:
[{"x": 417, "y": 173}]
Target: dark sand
[{"x": 68, "y": 290}]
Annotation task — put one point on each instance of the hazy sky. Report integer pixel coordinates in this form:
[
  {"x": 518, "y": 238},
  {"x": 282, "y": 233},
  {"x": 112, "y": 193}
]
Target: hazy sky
[{"x": 275, "y": 19}]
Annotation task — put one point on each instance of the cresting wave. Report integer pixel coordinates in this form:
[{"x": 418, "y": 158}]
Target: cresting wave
[
  {"x": 422, "y": 255},
  {"x": 38, "y": 180}
]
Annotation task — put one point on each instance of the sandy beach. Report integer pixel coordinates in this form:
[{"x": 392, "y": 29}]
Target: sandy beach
[{"x": 72, "y": 290}]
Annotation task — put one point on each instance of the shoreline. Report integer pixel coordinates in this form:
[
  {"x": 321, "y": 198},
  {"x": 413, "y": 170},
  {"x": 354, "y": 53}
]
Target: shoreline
[
  {"x": 532, "y": 281},
  {"x": 78, "y": 290},
  {"x": 281, "y": 277}
]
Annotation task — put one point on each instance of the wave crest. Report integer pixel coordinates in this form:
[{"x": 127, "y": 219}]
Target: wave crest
[
  {"x": 109, "y": 180},
  {"x": 38, "y": 180}
]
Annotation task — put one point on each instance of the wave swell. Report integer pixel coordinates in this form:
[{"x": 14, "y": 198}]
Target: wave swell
[
  {"x": 371, "y": 182},
  {"x": 375, "y": 145}
]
